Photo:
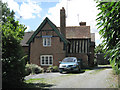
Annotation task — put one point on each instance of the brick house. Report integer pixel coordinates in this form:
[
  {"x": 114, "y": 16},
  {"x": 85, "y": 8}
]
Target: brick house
[{"x": 49, "y": 44}]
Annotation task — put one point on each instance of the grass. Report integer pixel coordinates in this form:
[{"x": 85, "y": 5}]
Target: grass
[
  {"x": 38, "y": 83},
  {"x": 97, "y": 71},
  {"x": 36, "y": 80},
  {"x": 105, "y": 65},
  {"x": 43, "y": 80}
]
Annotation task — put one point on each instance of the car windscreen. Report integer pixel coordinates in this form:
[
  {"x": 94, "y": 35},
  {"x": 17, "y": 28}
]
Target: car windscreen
[{"x": 68, "y": 60}]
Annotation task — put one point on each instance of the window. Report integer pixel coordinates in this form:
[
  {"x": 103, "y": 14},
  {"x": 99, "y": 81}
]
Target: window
[
  {"x": 46, "y": 60},
  {"x": 46, "y": 40}
]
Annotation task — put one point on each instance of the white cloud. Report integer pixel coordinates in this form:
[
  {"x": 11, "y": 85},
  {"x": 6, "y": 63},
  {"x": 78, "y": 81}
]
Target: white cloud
[
  {"x": 98, "y": 38},
  {"x": 86, "y": 9},
  {"x": 28, "y": 29},
  {"x": 39, "y": 15},
  {"x": 12, "y": 4},
  {"x": 26, "y": 10}
]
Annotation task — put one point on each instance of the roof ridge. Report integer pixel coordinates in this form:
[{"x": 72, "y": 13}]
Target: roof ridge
[
  {"x": 52, "y": 25},
  {"x": 74, "y": 26}
]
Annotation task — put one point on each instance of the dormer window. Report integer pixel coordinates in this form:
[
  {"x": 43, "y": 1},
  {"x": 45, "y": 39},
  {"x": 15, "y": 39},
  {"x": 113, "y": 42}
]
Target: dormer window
[{"x": 46, "y": 41}]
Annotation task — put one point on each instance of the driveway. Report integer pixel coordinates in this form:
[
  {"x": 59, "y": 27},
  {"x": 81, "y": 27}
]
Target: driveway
[{"x": 96, "y": 78}]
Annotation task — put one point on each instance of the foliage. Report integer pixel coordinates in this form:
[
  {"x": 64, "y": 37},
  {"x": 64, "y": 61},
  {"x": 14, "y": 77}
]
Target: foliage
[
  {"x": 33, "y": 69},
  {"x": 109, "y": 25},
  {"x": 99, "y": 49},
  {"x": 13, "y": 59},
  {"x": 39, "y": 80},
  {"x": 53, "y": 69},
  {"x": 40, "y": 83}
]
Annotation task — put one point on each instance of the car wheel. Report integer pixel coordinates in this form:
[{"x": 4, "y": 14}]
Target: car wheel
[{"x": 61, "y": 71}]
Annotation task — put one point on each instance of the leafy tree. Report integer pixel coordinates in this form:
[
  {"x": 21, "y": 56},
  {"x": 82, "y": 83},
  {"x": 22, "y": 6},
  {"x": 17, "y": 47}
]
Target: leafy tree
[
  {"x": 109, "y": 25},
  {"x": 13, "y": 63},
  {"x": 99, "y": 49}
]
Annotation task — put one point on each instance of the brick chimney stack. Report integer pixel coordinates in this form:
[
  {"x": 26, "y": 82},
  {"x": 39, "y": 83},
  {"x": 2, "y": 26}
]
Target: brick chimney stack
[
  {"x": 63, "y": 21},
  {"x": 82, "y": 23}
]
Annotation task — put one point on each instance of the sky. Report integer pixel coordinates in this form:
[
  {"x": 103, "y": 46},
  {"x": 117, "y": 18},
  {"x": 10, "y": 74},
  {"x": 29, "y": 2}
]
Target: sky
[{"x": 31, "y": 13}]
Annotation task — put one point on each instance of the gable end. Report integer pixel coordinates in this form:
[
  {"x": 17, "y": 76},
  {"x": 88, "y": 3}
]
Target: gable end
[{"x": 52, "y": 26}]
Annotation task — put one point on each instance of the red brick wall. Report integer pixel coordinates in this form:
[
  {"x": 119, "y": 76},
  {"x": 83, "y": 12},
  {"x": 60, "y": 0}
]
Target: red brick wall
[
  {"x": 56, "y": 49},
  {"x": 82, "y": 56},
  {"x": 37, "y": 49}
]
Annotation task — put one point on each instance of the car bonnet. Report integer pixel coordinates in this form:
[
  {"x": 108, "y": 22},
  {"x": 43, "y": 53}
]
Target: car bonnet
[{"x": 68, "y": 63}]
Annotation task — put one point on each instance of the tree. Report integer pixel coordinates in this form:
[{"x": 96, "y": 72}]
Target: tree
[
  {"x": 13, "y": 63},
  {"x": 109, "y": 25},
  {"x": 99, "y": 49}
]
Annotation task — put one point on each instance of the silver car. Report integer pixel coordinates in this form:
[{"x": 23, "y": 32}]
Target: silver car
[{"x": 69, "y": 64}]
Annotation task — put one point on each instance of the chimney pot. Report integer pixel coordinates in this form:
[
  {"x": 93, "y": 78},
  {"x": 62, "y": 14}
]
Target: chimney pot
[
  {"x": 63, "y": 8},
  {"x": 82, "y": 23}
]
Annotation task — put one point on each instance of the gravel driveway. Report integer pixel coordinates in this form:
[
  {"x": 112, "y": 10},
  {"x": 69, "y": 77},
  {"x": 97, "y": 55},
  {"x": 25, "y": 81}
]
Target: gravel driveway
[{"x": 97, "y": 78}]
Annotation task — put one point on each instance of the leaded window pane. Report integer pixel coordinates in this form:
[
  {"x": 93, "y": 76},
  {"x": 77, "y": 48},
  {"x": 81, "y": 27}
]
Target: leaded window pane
[
  {"x": 49, "y": 41},
  {"x": 50, "y": 62},
  {"x": 46, "y": 60},
  {"x": 42, "y": 60}
]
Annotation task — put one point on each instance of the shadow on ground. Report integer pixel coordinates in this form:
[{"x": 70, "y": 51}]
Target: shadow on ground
[
  {"x": 82, "y": 71},
  {"x": 29, "y": 86},
  {"x": 38, "y": 85}
]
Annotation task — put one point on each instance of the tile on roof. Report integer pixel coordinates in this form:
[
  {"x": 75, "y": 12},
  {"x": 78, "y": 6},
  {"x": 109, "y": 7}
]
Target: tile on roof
[
  {"x": 75, "y": 32},
  {"x": 26, "y": 37},
  {"x": 72, "y": 32}
]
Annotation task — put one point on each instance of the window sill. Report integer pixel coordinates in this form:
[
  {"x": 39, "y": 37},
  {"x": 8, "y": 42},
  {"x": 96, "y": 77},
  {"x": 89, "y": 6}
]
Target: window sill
[
  {"x": 46, "y": 46},
  {"x": 46, "y": 64}
]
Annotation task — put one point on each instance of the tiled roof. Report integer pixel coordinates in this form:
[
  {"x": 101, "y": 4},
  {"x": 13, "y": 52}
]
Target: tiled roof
[
  {"x": 26, "y": 37},
  {"x": 78, "y": 32},
  {"x": 72, "y": 32}
]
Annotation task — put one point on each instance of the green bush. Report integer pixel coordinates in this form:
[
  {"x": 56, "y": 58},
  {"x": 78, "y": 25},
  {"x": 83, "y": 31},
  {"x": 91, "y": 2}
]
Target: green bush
[
  {"x": 13, "y": 58},
  {"x": 28, "y": 69},
  {"x": 53, "y": 69},
  {"x": 115, "y": 67},
  {"x": 33, "y": 69},
  {"x": 50, "y": 69}
]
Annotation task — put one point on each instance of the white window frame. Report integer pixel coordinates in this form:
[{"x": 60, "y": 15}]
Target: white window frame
[
  {"x": 48, "y": 39},
  {"x": 45, "y": 60}
]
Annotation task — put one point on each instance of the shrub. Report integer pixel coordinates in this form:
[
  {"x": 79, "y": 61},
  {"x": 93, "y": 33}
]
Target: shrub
[
  {"x": 28, "y": 69},
  {"x": 13, "y": 58},
  {"x": 52, "y": 69},
  {"x": 33, "y": 69},
  {"x": 55, "y": 69}
]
